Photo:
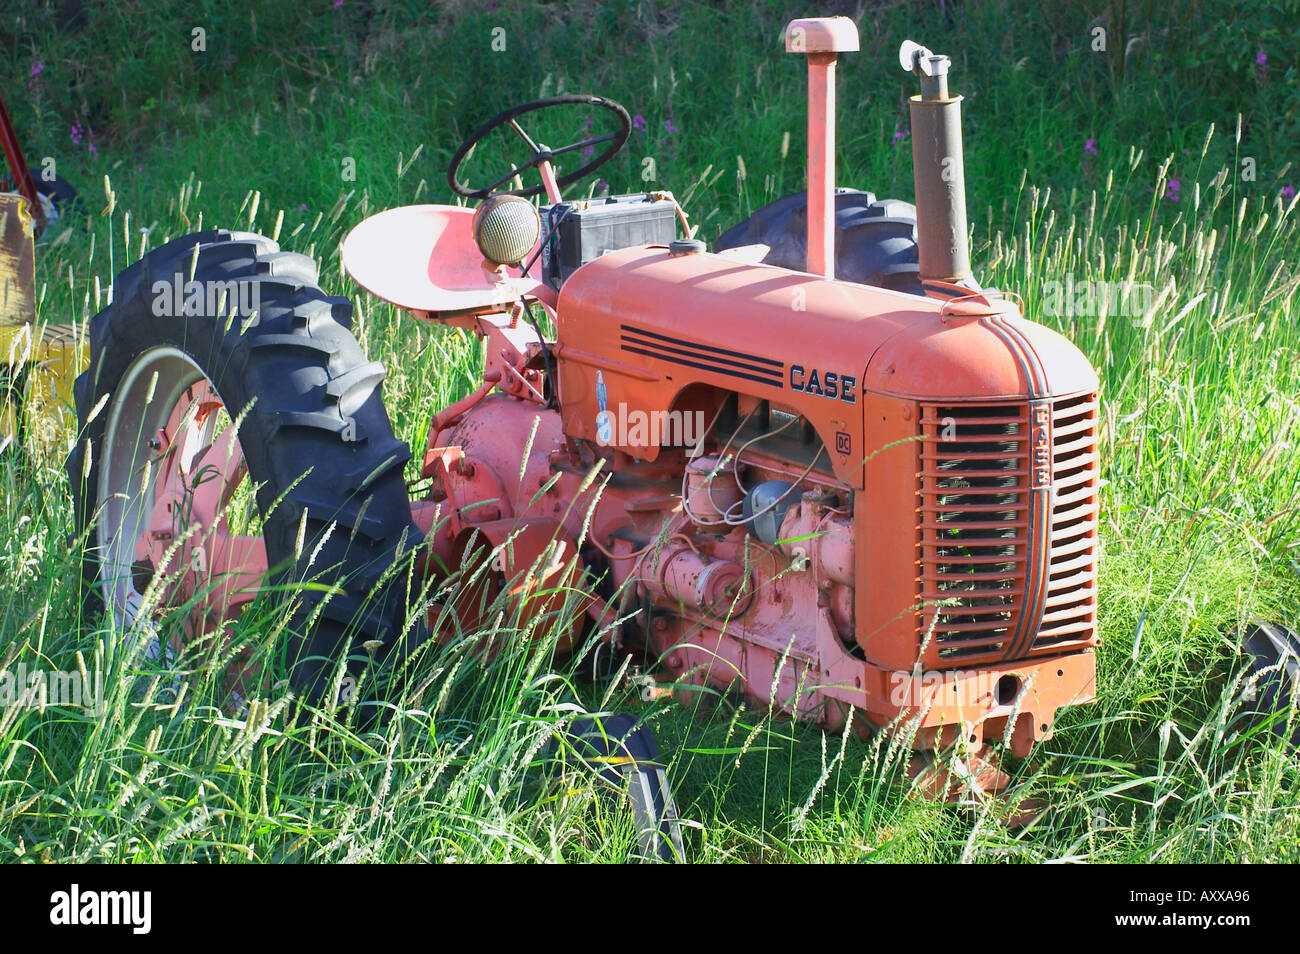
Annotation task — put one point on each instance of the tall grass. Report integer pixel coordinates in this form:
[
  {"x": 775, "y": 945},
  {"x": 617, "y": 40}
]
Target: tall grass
[{"x": 1199, "y": 534}]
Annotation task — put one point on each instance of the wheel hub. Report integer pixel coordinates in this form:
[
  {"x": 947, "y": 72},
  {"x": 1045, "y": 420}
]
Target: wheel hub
[{"x": 167, "y": 480}]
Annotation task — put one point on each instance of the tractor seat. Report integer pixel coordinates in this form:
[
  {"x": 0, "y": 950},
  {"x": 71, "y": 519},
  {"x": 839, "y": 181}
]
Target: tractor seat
[{"x": 424, "y": 258}]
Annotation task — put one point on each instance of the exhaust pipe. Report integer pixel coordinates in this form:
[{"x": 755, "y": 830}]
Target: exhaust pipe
[{"x": 938, "y": 169}]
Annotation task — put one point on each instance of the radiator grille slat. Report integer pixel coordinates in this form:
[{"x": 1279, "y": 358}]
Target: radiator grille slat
[{"x": 974, "y": 530}]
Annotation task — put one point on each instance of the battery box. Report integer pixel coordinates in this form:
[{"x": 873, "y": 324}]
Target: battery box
[{"x": 592, "y": 227}]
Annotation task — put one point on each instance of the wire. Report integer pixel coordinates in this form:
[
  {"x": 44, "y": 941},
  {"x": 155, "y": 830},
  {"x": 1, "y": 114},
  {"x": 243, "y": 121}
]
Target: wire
[
  {"x": 550, "y": 402},
  {"x": 745, "y": 446},
  {"x": 554, "y": 217},
  {"x": 727, "y": 518},
  {"x": 675, "y": 535},
  {"x": 681, "y": 213},
  {"x": 708, "y": 486},
  {"x": 557, "y": 214},
  {"x": 807, "y": 470},
  {"x": 722, "y": 457}
]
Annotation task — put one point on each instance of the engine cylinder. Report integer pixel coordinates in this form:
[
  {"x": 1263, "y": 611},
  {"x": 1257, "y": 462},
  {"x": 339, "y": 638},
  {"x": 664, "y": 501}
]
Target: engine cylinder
[{"x": 710, "y": 492}]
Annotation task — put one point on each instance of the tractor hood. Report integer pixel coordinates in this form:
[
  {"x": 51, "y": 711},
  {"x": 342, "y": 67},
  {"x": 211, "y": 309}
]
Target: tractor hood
[
  {"x": 978, "y": 357},
  {"x": 640, "y": 326}
]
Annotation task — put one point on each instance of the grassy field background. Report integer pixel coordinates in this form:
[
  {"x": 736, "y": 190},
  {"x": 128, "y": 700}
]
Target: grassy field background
[{"x": 1165, "y": 158}]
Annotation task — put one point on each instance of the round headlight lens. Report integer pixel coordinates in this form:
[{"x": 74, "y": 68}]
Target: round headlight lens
[{"x": 506, "y": 227}]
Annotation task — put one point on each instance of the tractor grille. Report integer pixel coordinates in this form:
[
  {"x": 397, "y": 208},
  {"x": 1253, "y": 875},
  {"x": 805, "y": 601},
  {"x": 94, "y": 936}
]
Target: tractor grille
[
  {"x": 1070, "y": 612},
  {"x": 978, "y": 466}
]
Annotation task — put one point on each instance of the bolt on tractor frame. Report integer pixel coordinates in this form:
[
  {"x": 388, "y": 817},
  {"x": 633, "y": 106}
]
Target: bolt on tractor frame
[{"x": 820, "y": 466}]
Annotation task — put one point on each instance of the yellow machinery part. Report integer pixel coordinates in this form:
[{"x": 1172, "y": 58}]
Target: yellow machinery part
[{"x": 38, "y": 363}]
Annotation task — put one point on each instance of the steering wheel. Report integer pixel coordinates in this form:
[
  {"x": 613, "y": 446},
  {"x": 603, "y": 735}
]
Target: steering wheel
[{"x": 540, "y": 153}]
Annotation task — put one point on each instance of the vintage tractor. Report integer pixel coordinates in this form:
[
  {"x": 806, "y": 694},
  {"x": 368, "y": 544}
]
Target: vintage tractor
[{"x": 871, "y": 496}]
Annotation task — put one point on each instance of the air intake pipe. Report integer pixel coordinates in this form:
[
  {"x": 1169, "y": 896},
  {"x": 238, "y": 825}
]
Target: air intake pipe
[
  {"x": 822, "y": 39},
  {"x": 938, "y": 169}
]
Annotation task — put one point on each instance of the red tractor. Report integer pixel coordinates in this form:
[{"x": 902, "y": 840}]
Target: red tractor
[{"x": 819, "y": 466}]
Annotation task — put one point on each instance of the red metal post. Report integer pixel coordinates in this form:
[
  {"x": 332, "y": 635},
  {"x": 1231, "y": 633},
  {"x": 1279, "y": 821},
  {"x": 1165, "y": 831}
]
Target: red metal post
[
  {"x": 18, "y": 166},
  {"x": 821, "y": 38},
  {"x": 821, "y": 164},
  {"x": 547, "y": 172}
]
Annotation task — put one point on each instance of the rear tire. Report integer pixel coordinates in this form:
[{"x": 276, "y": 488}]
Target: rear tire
[
  {"x": 875, "y": 240},
  {"x": 316, "y": 439}
]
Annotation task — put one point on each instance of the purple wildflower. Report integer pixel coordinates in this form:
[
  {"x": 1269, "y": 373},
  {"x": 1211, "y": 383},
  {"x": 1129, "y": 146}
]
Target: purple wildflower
[
  {"x": 338, "y": 4},
  {"x": 670, "y": 125},
  {"x": 1090, "y": 147},
  {"x": 75, "y": 133},
  {"x": 1172, "y": 188},
  {"x": 1261, "y": 58},
  {"x": 1288, "y": 193},
  {"x": 638, "y": 122}
]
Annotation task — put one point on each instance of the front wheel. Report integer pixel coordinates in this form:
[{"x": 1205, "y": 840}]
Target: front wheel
[
  {"x": 233, "y": 437},
  {"x": 620, "y": 751}
]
